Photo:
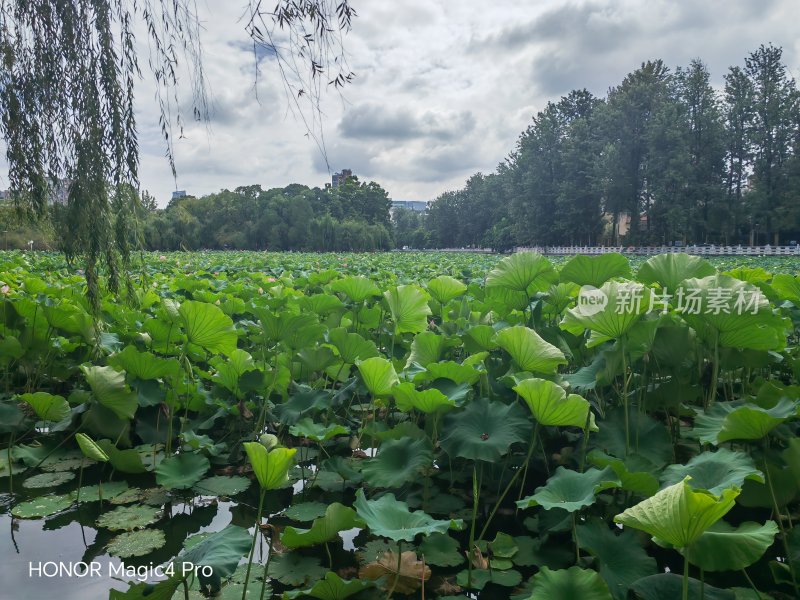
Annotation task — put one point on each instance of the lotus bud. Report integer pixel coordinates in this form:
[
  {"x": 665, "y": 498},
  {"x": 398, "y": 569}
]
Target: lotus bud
[{"x": 268, "y": 440}]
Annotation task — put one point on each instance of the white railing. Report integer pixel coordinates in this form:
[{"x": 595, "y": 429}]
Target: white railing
[{"x": 710, "y": 250}]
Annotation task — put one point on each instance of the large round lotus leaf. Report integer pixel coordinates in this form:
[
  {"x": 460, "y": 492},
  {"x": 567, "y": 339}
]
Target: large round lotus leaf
[
  {"x": 481, "y": 577},
  {"x": 407, "y": 397},
  {"x": 445, "y": 288},
  {"x": 379, "y": 375},
  {"x": 182, "y": 471},
  {"x": 15, "y": 467},
  {"x": 136, "y": 543},
  {"x": 408, "y": 306},
  {"x": 317, "y": 432},
  {"x": 388, "y": 517},
  {"x": 427, "y": 348},
  {"x": 569, "y": 584},
  {"x": 529, "y": 351},
  {"x": 551, "y": 406},
  {"x": 43, "y": 506},
  {"x": 441, "y": 550},
  {"x": 351, "y": 346},
  {"x": 570, "y": 490},
  {"x": 714, "y": 471},
  {"x": 357, "y": 288},
  {"x": 270, "y": 466},
  {"x": 90, "y": 448},
  {"x": 726, "y": 548},
  {"x": 107, "y": 490},
  {"x": 332, "y": 587},
  {"x": 129, "y": 496},
  {"x": 305, "y": 511},
  {"x": 208, "y": 327},
  {"x": 143, "y": 365},
  {"x": 109, "y": 389},
  {"x": 669, "y": 270},
  {"x": 678, "y": 515},
  {"x": 337, "y": 518},
  {"x": 621, "y": 558},
  {"x": 649, "y": 439},
  {"x": 519, "y": 271},
  {"x": 47, "y": 406},
  {"x": 485, "y": 430},
  {"x": 741, "y": 420},
  {"x": 221, "y": 485},
  {"x": 292, "y": 568},
  {"x": 45, "y": 480},
  {"x": 398, "y": 462},
  {"x": 221, "y": 551},
  {"x": 595, "y": 270},
  {"x": 67, "y": 461},
  {"x": 128, "y": 518}
]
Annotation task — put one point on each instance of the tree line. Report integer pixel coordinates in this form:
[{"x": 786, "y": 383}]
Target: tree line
[{"x": 664, "y": 158}]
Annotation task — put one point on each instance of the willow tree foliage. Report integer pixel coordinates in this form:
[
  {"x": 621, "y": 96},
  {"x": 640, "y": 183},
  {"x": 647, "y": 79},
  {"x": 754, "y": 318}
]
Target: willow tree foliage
[{"x": 67, "y": 104}]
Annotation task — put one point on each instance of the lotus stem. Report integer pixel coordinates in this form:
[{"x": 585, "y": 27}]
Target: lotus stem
[
  {"x": 712, "y": 393},
  {"x": 253, "y": 545},
  {"x": 685, "y": 593},
  {"x": 399, "y": 565},
  {"x": 778, "y": 518},
  {"x": 80, "y": 483},
  {"x": 266, "y": 567},
  {"x": 476, "y": 493},
  {"x": 575, "y": 539},
  {"x": 625, "y": 399}
]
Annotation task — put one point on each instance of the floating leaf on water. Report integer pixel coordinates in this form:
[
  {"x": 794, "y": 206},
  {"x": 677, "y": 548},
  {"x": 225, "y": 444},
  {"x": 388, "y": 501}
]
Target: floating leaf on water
[
  {"x": 46, "y": 480},
  {"x": 222, "y": 485},
  {"x": 324, "y": 529},
  {"x": 136, "y": 543},
  {"x": 109, "y": 490},
  {"x": 15, "y": 467},
  {"x": 305, "y": 511},
  {"x": 182, "y": 471},
  {"x": 332, "y": 587},
  {"x": 570, "y": 583},
  {"x": 128, "y": 518},
  {"x": 293, "y": 569},
  {"x": 43, "y": 506},
  {"x": 441, "y": 550}
]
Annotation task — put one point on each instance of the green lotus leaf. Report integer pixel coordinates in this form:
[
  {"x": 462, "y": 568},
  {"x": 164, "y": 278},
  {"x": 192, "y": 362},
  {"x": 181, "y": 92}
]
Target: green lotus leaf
[
  {"x": 332, "y": 587},
  {"x": 485, "y": 430},
  {"x": 398, "y": 462},
  {"x": 144, "y": 365},
  {"x": 440, "y": 550},
  {"x": 669, "y": 270},
  {"x": 322, "y": 304},
  {"x": 126, "y": 461},
  {"x": 293, "y": 330},
  {"x": 621, "y": 559},
  {"x": 426, "y": 348},
  {"x": 43, "y": 506},
  {"x": 500, "y": 551},
  {"x": 391, "y": 518},
  {"x": 222, "y": 485},
  {"x": 291, "y": 568},
  {"x": 89, "y": 448},
  {"x": 529, "y": 351},
  {"x": 336, "y": 473},
  {"x": 678, "y": 515},
  {"x": 10, "y": 349},
  {"x": 409, "y": 308},
  {"x": 639, "y": 482},
  {"x": 305, "y": 511},
  {"x": 356, "y": 288},
  {"x": 326, "y": 529},
  {"x": 182, "y": 471},
  {"x": 379, "y": 376},
  {"x": 15, "y": 468},
  {"x": 136, "y": 543},
  {"x": 12, "y": 418},
  {"x": 270, "y": 466},
  {"x": 595, "y": 270},
  {"x": 670, "y": 585},
  {"x": 318, "y": 432},
  {"x": 482, "y": 337},
  {"x": 725, "y": 314},
  {"x": 407, "y": 398},
  {"x": 70, "y": 460},
  {"x": 627, "y": 302},
  {"x": 109, "y": 389},
  {"x": 569, "y": 584},
  {"x": 221, "y": 551},
  {"x": 714, "y": 471},
  {"x": 569, "y": 490},
  {"x": 457, "y": 373},
  {"x": 351, "y": 346},
  {"x": 229, "y": 370},
  {"x": 551, "y": 406},
  {"x": 649, "y": 439},
  {"x": 787, "y": 288},
  {"x": 445, "y": 288},
  {"x": 128, "y": 518},
  {"x": 207, "y": 326},
  {"x": 47, "y": 406},
  {"x": 726, "y": 548},
  {"x": 741, "y": 420},
  {"x": 520, "y": 271},
  {"x": 107, "y": 491},
  {"x": 304, "y": 402},
  {"x": 317, "y": 359},
  {"x": 481, "y": 577},
  {"x": 46, "y": 480}
]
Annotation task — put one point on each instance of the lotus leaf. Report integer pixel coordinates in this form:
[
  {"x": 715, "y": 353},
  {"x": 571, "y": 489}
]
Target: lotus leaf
[
  {"x": 208, "y": 327},
  {"x": 325, "y": 529},
  {"x": 569, "y": 584},
  {"x": 270, "y": 466},
  {"x": 669, "y": 270},
  {"x": 46, "y": 480},
  {"x": 714, "y": 471},
  {"x": 128, "y": 518},
  {"x": 407, "y": 398},
  {"x": 109, "y": 389},
  {"x": 331, "y": 587},
  {"x": 44, "y": 506},
  {"x": 292, "y": 568},
  {"x": 379, "y": 376},
  {"x": 726, "y": 548},
  {"x": 569, "y": 490},
  {"x": 409, "y": 308},
  {"x": 595, "y": 270},
  {"x": 521, "y": 271},
  {"x": 222, "y": 485},
  {"x": 529, "y": 351},
  {"x": 440, "y": 550},
  {"x": 136, "y": 543},
  {"x": 182, "y": 471},
  {"x": 389, "y": 517},
  {"x": 398, "y": 462},
  {"x": 551, "y": 406},
  {"x": 47, "y": 406}
]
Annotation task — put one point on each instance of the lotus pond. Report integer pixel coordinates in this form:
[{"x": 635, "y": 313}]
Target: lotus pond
[{"x": 261, "y": 425}]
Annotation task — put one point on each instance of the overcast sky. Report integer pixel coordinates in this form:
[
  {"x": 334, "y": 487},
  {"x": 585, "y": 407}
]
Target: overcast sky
[{"x": 443, "y": 88}]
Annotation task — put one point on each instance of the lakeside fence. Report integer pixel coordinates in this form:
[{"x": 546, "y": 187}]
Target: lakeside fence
[{"x": 651, "y": 250}]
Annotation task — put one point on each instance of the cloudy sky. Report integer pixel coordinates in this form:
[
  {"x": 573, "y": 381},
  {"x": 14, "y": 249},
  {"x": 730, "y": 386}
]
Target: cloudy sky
[{"x": 442, "y": 89}]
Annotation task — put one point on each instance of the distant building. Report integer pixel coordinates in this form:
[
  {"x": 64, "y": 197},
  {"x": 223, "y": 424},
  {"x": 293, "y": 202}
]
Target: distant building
[
  {"x": 338, "y": 179},
  {"x": 178, "y": 194},
  {"x": 420, "y": 206}
]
